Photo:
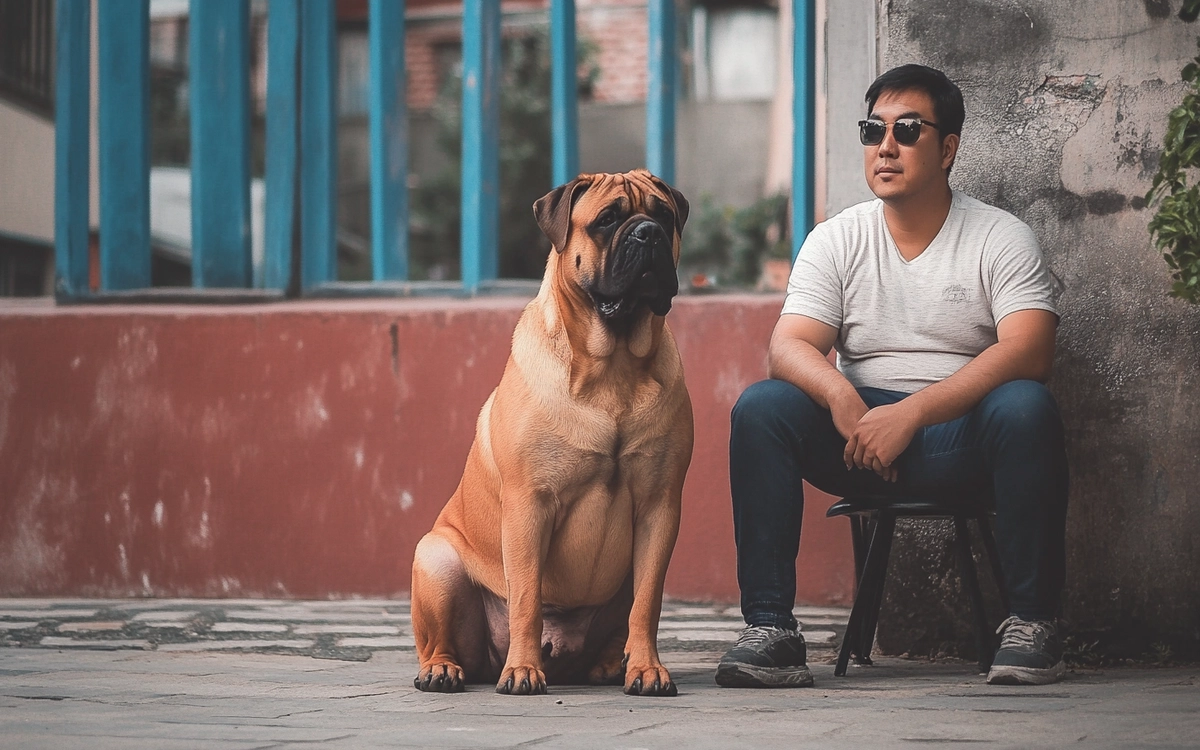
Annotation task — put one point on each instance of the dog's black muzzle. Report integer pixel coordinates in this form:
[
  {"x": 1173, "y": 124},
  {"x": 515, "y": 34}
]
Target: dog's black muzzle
[{"x": 640, "y": 267}]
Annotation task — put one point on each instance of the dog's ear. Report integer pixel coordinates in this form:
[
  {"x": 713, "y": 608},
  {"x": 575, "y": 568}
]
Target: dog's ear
[
  {"x": 681, "y": 203},
  {"x": 553, "y": 210}
]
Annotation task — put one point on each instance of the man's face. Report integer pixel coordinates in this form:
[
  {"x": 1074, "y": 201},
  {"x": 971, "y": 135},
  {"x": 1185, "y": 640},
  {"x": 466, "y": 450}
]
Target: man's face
[{"x": 896, "y": 171}]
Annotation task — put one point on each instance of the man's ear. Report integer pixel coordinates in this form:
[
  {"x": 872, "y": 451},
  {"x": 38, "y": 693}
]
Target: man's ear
[
  {"x": 553, "y": 211},
  {"x": 681, "y": 204},
  {"x": 949, "y": 150}
]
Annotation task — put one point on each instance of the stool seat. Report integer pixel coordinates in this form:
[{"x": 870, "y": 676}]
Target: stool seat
[
  {"x": 872, "y": 524},
  {"x": 908, "y": 506}
]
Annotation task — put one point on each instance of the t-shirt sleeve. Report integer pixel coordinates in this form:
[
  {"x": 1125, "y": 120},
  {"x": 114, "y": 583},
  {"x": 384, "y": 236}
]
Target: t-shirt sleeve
[
  {"x": 1018, "y": 274},
  {"x": 815, "y": 286}
]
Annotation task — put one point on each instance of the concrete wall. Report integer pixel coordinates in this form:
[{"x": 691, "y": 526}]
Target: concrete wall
[
  {"x": 1066, "y": 108},
  {"x": 27, "y": 174},
  {"x": 302, "y": 449},
  {"x": 850, "y": 66}
]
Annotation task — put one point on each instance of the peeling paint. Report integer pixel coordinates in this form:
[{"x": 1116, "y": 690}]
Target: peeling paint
[
  {"x": 312, "y": 415},
  {"x": 31, "y": 559},
  {"x": 406, "y": 501},
  {"x": 158, "y": 514},
  {"x": 8, "y": 389}
]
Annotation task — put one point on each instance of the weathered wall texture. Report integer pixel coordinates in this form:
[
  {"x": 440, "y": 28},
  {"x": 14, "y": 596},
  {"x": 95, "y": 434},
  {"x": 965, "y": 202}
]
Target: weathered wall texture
[
  {"x": 1066, "y": 108},
  {"x": 302, "y": 449}
]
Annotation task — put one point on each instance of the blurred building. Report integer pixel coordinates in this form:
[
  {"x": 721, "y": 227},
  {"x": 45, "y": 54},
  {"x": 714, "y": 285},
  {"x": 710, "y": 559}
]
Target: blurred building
[{"x": 727, "y": 80}]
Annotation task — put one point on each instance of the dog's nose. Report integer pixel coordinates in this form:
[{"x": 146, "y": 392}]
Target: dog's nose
[{"x": 644, "y": 233}]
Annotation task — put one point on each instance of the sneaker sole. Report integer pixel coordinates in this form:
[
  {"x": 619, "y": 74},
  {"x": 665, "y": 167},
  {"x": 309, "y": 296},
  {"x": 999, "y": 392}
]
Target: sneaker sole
[
  {"x": 1008, "y": 675},
  {"x": 739, "y": 675}
]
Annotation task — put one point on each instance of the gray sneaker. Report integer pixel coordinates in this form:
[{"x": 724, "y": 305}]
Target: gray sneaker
[
  {"x": 765, "y": 656},
  {"x": 1030, "y": 653}
]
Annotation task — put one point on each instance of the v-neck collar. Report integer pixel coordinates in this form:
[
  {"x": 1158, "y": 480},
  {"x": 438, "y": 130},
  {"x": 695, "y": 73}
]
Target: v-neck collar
[{"x": 891, "y": 241}]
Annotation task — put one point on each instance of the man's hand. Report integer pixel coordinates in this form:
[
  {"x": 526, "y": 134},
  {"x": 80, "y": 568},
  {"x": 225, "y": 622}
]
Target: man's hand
[{"x": 880, "y": 436}]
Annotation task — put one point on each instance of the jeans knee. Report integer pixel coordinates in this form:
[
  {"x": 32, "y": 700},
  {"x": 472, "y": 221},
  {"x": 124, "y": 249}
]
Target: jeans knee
[
  {"x": 768, "y": 400},
  {"x": 1025, "y": 407}
]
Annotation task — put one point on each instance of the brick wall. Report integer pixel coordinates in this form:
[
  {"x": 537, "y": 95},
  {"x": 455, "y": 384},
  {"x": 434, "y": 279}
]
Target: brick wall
[{"x": 618, "y": 29}]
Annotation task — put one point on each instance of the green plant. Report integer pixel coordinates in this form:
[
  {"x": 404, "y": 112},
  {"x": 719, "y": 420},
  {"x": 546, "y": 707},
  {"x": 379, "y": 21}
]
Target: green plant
[
  {"x": 1176, "y": 225},
  {"x": 1161, "y": 654},
  {"x": 731, "y": 243},
  {"x": 1079, "y": 652},
  {"x": 525, "y": 155}
]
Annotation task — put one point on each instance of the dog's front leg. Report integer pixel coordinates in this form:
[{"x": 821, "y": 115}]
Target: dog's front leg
[
  {"x": 656, "y": 526},
  {"x": 525, "y": 527}
]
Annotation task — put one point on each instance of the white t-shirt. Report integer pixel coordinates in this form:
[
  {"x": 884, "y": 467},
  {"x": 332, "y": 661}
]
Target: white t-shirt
[{"x": 903, "y": 325}]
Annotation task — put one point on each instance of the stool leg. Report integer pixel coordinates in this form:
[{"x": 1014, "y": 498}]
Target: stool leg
[
  {"x": 873, "y": 571},
  {"x": 867, "y": 636},
  {"x": 858, "y": 539},
  {"x": 983, "y": 633},
  {"x": 989, "y": 544}
]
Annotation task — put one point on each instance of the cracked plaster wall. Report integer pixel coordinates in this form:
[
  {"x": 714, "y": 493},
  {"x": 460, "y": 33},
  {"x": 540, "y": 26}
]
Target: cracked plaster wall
[{"x": 1066, "y": 109}]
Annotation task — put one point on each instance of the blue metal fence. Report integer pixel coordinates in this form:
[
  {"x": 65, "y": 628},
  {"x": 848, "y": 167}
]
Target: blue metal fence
[{"x": 301, "y": 140}]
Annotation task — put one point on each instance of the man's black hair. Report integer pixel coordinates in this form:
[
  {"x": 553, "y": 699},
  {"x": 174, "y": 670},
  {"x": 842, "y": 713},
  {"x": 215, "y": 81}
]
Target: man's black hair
[{"x": 947, "y": 99}]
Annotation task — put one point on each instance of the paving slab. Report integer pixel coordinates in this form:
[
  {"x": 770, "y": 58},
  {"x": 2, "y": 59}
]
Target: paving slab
[{"x": 242, "y": 692}]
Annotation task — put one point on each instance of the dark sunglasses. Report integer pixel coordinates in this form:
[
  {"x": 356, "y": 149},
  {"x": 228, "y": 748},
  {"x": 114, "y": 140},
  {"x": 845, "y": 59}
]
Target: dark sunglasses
[{"x": 906, "y": 130}]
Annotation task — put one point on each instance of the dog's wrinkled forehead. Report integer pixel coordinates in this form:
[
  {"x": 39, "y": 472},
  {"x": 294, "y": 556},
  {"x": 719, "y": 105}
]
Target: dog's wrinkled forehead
[{"x": 627, "y": 193}]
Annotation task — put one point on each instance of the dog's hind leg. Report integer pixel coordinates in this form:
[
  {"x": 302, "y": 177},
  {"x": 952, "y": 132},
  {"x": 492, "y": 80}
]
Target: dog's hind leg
[
  {"x": 610, "y": 663},
  {"x": 448, "y": 619}
]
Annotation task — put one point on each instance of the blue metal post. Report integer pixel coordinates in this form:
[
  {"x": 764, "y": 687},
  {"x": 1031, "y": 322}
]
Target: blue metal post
[
  {"x": 389, "y": 141},
  {"x": 804, "y": 50},
  {"x": 564, "y": 114},
  {"x": 318, "y": 141},
  {"x": 72, "y": 120},
  {"x": 219, "y": 59},
  {"x": 480, "y": 142},
  {"x": 660, "y": 99},
  {"x": 283, "y": 40},
  {"x": 124, "y": 30}
]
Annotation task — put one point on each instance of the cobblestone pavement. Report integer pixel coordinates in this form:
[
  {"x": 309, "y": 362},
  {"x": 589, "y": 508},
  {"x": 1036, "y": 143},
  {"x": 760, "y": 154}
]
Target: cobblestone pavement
[
  {"x": 349, "y": 630},
  {"x": 236, "y": 675}
]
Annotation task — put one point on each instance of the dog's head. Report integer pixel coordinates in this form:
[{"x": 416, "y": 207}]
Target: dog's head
[{"x": 617, "y": 238}]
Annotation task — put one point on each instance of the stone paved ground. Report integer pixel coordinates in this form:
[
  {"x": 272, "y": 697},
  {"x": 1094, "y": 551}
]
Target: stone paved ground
[
  {"x": 350, "y": 630},
  {"x": 267, "y": 674}
]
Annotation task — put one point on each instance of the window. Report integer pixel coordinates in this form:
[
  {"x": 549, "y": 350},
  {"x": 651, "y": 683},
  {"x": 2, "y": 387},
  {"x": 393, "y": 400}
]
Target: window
[
  {"x": 27, "y": 53},
  {"x": 735, "y": 51}
]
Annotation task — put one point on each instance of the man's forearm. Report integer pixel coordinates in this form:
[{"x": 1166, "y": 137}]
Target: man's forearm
[
  {"x": 958, "y": 394},
  {"x": 802, "y": 365}
]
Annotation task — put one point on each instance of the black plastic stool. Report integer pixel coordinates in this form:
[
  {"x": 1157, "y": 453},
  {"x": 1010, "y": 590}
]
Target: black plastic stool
[{"x": 874, "y": 516}]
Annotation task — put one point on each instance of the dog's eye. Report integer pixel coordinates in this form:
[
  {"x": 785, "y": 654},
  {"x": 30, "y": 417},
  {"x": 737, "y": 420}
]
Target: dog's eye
[{"x": 606, "y": 219}]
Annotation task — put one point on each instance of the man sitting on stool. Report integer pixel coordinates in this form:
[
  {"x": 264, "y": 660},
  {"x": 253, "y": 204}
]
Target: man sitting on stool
[{"x": 941, "y": 311}]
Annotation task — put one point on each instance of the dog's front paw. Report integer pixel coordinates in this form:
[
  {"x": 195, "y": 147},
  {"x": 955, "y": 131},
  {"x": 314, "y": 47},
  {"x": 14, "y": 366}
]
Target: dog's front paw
[
  {"x": 521, "y": 681},
  {"x": 440, "y": 677},
  {"x": 653, "y": 679}
]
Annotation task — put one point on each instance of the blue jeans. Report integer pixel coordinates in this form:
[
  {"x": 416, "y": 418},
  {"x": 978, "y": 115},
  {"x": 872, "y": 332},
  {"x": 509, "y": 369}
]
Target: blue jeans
[{"x": 1010, "y": 444}]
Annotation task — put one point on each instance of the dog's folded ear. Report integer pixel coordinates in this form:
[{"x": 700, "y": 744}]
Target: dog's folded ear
[
  {"x": 553, "y": 210},
  {"x": 681, "y": 204}
]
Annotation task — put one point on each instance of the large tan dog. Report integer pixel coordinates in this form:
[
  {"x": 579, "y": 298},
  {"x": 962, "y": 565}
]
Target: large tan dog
[{"x": 548, "y": 562}]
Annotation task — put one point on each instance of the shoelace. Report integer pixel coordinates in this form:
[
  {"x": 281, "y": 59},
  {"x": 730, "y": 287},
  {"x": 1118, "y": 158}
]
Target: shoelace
[
  {"x": 1015, "y": 632},
  {"x": 756, "y": 634}
]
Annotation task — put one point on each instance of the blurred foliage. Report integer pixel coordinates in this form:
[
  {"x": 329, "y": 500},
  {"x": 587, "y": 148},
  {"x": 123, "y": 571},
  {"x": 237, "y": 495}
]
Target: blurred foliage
[
  {"x": 525, "y": 164},
  {"x": 170, "y": 127},
  {"x": 1176, "y": 225},
  {"x": 726, "y": 246}
]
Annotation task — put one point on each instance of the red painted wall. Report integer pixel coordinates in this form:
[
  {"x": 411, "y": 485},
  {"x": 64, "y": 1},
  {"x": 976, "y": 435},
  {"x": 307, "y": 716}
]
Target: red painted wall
[{"x": 302, "y": 449}]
